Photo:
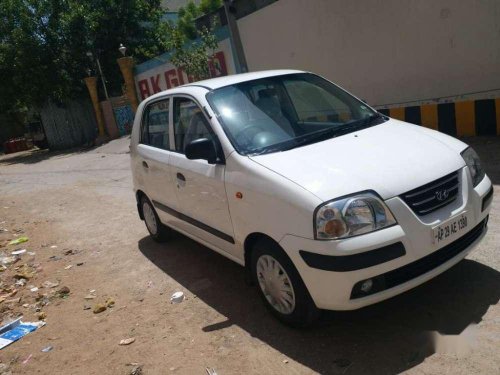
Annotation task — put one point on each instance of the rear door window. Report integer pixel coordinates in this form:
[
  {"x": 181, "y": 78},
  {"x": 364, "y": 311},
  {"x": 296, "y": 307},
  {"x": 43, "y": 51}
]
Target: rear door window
[{"x": 155, "y": 130}]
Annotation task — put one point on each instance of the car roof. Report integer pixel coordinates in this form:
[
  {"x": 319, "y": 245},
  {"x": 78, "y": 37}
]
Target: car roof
[{"x": 215, "y": 83}]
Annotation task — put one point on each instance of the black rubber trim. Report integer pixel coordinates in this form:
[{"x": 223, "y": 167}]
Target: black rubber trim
[
  {"x": 196, "y": 85},
  {"x": 346, "y": 263},
  {"x": 194, "y": 222},
  {"x": 487, "y": 199},
  {"x": 421, "y": 266}
]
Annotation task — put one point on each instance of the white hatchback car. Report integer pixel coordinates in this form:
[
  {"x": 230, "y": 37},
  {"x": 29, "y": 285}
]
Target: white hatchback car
[{"x": 327, "y": 203}]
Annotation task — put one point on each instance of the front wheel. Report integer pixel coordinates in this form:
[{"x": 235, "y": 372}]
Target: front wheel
[
  {"x": 158, "y": 231},
  {"x": 281, "y": 286}
]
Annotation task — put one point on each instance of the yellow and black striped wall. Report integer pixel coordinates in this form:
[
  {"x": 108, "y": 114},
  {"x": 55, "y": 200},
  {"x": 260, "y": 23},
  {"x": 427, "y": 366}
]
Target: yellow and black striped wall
[{"x": 459, "y": 118}]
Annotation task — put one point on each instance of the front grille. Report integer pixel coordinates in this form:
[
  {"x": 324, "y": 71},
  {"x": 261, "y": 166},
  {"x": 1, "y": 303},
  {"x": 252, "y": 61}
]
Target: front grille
[
  {"x": 423, "y": 265},
  {"x": 434, "y": 195}
]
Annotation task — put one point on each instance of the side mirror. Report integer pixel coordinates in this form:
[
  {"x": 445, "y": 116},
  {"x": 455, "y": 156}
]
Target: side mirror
[{"x": 202, "y": 148}]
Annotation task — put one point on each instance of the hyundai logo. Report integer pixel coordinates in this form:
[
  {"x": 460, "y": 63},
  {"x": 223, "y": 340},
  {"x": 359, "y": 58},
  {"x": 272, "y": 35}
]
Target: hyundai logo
[{"x": 442, "y": 195}]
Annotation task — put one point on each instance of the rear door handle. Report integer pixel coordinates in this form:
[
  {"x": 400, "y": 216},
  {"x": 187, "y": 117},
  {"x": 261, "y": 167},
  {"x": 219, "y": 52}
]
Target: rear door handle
[
  {"x": 145, "y": 165},
  {"x": 181, "y": 177}
]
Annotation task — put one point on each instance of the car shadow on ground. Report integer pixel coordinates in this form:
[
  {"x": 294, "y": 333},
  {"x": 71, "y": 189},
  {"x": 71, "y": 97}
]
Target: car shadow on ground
[
  {"x": 36, "y": 156},
  {"x": 389, "y": 337}
]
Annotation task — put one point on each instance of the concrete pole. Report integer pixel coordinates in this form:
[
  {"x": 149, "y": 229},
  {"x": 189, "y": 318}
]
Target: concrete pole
[
  {"x": 91, "y": 83},
  {"x": 127, "y": 68},
  {"x": 234, "y": 33},
  {"x": 103, "y": 79}
]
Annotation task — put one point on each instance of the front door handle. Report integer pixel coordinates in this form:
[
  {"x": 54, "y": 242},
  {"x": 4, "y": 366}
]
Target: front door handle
[
  {"x": 181, "y": 177},
  {"x": 145, "y": 165}
]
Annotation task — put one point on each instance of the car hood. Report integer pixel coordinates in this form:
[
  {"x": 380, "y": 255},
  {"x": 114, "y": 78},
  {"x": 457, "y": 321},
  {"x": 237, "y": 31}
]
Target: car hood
[{"x": 391, "y": 158}]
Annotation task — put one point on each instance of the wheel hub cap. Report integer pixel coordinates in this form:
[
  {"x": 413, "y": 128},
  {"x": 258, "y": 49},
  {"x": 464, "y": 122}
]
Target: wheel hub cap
[
  {"x": 275, "y": 284},
  {"x": 149, "y": 218}
]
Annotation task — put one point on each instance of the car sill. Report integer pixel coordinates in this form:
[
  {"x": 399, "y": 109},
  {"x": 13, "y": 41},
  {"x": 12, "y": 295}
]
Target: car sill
[{"x": 194, "y": 222}]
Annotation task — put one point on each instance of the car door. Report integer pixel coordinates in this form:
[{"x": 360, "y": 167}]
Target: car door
[
  {"x": 199, "y": 186},
  {"x": 154, "y": 157}
]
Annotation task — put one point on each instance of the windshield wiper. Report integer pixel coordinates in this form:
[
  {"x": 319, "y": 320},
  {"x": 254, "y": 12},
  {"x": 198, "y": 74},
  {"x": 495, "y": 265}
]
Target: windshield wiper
[
  {"x": 366, "y": 121},
  {"x": 335, "y": 131},
  {"x": 313, "y": 137},
  {"x": 323, "y": 134},
  {"x": 295, "y": 142}
]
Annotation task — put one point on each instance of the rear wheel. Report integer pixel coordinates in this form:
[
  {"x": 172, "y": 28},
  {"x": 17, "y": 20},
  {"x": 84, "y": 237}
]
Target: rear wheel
[
  {"x": 281, "y": 286},
  {"x": 158, "y": 231}
]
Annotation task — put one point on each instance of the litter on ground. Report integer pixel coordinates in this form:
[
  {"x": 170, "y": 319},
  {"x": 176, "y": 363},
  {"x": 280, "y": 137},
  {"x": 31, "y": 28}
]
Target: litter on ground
[
  {"x": 27, "y": 359},
  {"x": 127, "y": 341},
  {"x": 49, "y": 284},
  {"x": 137, "y": 370},
  {"x": 99, "y": 308},
  {"x": 19, "y": 240},
  {"x": 9, "y": 260},
  {"x": 18, "y": 252},
  {"x": 15, "y": 330},
  {"x": 177, "y": 297},
  {"x": 64, "y": 291}
]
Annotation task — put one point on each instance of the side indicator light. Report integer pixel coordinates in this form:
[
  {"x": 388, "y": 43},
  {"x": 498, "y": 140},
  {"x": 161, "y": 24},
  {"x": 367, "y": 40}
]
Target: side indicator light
[{"x": 239, "y": 195}]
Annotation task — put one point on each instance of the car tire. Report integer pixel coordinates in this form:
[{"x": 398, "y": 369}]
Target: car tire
[
  {"x": 304, "y": 312},
  {"x": 158, "y": 231}
]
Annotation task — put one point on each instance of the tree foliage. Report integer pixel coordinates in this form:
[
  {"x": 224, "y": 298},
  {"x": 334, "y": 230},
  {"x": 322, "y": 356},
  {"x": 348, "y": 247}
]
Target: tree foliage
[
  {"x": 188, "y": 14},
  {"x": 194, "y": 57},
  {"x": 43, "y": 45},
  {"x": 193, "y": 49},
  {"x": 208, "y": 6},
  {"x": 185, "y": 22}
]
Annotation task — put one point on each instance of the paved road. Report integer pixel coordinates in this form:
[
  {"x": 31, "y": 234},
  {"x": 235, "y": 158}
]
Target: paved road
[{"x": 83, "y": 201}]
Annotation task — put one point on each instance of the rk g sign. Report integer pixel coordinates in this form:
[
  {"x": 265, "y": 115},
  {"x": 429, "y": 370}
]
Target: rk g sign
[{"x": 164, "y": 75}]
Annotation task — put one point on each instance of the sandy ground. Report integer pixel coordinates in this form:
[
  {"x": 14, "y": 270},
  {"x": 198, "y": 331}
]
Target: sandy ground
[{"x": 83, "y": 201}]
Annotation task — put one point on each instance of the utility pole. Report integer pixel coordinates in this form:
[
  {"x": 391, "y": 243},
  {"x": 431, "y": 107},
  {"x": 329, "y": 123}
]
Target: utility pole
[
  {"x": 103, "y": 80},
  {"x": 234, "y": 33}
]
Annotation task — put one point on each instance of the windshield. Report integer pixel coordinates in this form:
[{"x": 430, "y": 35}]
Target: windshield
[{"x": 283, "y": 112}]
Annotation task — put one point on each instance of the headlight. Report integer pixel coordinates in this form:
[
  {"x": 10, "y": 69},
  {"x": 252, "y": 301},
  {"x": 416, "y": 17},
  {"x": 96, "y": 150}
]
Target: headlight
[
  {"x": 474, "y": 163},
  {"x": 351, "y": 216}
]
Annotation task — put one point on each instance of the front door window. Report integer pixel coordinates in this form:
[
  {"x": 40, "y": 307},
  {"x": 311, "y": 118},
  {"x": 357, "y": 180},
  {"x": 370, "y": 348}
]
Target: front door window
[{"x": 189, "y": 123}]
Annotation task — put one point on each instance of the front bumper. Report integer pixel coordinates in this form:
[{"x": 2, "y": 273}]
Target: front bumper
[{"x": 396, "y": 258}]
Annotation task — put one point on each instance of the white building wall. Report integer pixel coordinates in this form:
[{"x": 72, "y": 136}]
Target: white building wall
[{"x": 384, "y": 51}]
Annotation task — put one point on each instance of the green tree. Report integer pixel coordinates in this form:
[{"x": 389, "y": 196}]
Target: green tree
[
  {"x": 208, "y": 6},
  {"x": 43, "y": 45},
  {"x": 188, "y": 14},
  {"x": 193, "y": 57},
  {"x": 193, "y": 50},
  {"x": 185, "y": 22}
]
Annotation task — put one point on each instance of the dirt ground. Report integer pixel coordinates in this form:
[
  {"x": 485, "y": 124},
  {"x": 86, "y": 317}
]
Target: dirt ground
[{"x": 83, "y": 201}]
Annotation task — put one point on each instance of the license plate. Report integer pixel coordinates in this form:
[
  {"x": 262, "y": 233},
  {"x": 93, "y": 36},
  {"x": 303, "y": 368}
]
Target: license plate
[{"x": 450, "y": 230}]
